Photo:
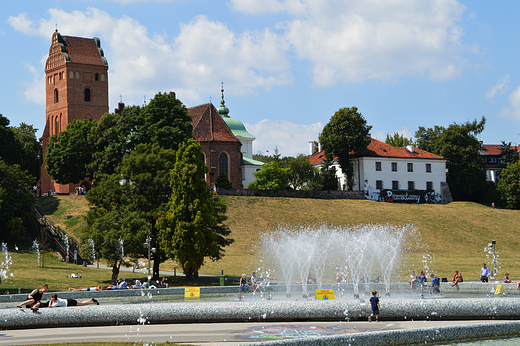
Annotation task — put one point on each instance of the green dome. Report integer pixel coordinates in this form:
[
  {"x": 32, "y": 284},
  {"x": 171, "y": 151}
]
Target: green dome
[{"x": 237, "y": 127}]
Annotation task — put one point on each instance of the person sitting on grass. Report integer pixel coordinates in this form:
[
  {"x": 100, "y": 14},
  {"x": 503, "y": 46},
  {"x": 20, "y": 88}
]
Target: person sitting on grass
[
  {"x": 456, "y": 278},
  {"x": 506, "y": 279},
  {"x": 33, "y": 299},
  {"x": 59, "y": 302},
  {"x": 97, "y": 288}
]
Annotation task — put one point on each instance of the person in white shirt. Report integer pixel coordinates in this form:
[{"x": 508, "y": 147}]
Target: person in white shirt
[
  {"x": 254, "y": 282},
  {"x": 137, "y": 284},
  {"x": 59, "y": 302},
  {"x": 413, "y": 278},
  {"x": 484, "y": 273}
]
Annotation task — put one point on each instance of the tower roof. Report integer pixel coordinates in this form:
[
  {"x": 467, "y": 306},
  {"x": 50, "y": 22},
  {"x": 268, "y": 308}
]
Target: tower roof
[
  {"x": 73, "y": 49},
  {"x": 235, "y": 125},
  {"x": 208, "y": 125}
]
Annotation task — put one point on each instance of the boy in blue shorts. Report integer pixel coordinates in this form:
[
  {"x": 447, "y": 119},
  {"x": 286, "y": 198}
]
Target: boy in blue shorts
[{"x": 374, "y": 301}]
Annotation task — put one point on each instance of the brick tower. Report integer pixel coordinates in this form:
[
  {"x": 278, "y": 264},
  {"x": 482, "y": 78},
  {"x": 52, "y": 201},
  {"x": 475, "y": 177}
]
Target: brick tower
[{"x": 76, "y": 87}]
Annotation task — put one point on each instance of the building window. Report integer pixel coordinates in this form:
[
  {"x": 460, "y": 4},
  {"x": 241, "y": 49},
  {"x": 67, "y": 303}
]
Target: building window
[
  {"x": 77, "y": 75},
  {"x": 223, "y": 164},
  {"x": 378, "y": 166},
  {"x": 394, "y": 166},
  {"x": 411, "y": 185},
  {"x": 492, "y": 160},
  {"x": 410, "y": 167},
  {"x": 395, "y": 185},
  {"x": 56, "y": 126},
  {"x": 71, "y": 75},
  {"x": 379, "y": 185},
  {"x": 429, "y": 186},
  {"x": 428, "y": 168},
  {"x": 96, "y": 77},
  {"x": 56, "y": 96},
  {"x": 87, "y": 95},
  {"x": 102, "y": 77}
]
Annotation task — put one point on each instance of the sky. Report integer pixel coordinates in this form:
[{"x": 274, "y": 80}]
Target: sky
[{"x": 286, "y": 65}]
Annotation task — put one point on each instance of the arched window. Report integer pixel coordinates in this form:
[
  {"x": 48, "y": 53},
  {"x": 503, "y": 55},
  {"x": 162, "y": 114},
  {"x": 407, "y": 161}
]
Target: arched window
[
  {"x": 77, "y": 75},
  {"x": 87, "y": 95},
  {"x": 71, "y": 74},
  {"x": 96, "y": 77},
  {"x": 56, "y": 96},
  {"x": 223, "y": 164},
  {"x": 56, "y": 126},
  {"x": 102, "y": 77}
]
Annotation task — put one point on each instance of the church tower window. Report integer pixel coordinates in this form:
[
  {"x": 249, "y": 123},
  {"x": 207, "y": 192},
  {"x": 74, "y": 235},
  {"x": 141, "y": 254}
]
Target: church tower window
[
  {"x": 56, "y": 96},
  {"x": 87, "y": 95},
  {"x": 223, "y": 163}
]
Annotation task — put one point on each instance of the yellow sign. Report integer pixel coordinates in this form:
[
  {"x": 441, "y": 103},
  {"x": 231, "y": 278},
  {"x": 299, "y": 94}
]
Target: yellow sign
[
  {"x": 324, "y": 295},
  {"x": 500, "y": 288},
  {"x": 192, "y": 292}
]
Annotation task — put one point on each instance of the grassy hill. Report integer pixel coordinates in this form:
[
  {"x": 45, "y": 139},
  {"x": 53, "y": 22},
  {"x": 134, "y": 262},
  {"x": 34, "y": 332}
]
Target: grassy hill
[{"x": 455, "y": 234}]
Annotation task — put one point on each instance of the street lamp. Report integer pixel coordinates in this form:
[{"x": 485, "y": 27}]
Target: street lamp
[
  {"x": 150, "y": 250},
  {"x": 493, "y": 243}
]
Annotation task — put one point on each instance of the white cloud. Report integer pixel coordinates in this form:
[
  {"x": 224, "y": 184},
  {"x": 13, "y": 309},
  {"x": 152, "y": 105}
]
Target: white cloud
[
  {"x": 513, "y": 111},
  {"x": 34, "y": 90},
  {"x": 371, "y": 39},
  {"x": 271, "y": 134},
  {"x": 499, "y": 88},
  {"x": 196, "y": 61}
]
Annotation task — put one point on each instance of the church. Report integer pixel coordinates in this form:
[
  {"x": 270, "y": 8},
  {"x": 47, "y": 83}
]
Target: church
[{"x": 77, "y": 88}]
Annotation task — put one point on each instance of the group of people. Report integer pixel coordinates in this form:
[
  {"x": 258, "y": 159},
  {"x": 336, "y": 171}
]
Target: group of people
[
  {"x": 244, "y": 286},
  {"x": 121, "y": 285},
  {"x": 34, "y": 300}
]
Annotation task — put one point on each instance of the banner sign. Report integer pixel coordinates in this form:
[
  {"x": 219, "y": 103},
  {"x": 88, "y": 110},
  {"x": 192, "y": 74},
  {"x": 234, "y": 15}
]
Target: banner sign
[
  {"x": 192, "y": 292},
  {"x": 324, "y": 295}
]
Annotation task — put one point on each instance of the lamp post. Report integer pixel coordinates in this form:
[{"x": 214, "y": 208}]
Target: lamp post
[
  {"x": 147, "y": 245},
  {"x": 493, "y": 243}
]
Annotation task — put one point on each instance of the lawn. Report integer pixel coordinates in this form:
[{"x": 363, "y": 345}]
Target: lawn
[{"x": 455, "y": 235}]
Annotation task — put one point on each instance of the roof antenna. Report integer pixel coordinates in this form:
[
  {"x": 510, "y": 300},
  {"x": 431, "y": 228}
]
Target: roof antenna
[
  {"x": 210, "y": 99},
  {"x": 120, "y": 98},
  {"x": 144, "y": 99},
  {"x": 56, "y": 27}
]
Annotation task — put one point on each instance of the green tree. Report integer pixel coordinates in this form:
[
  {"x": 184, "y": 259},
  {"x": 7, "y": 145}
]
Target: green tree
[
  {"x": 461, "y": 149},
  {"x": 508, "y": 154},
  {"x": 328, "y": 179},
  {"x": 223, "y": 181},
  {"x": 115, "y": 228},
  {"x": 302, "y": 174},
  {"x": 187, "y": 228},
  {"x": 271, "y": 177},
  {"x": 509, "y": 185},
  {"x": 16, "y": 200},
  {"x": 70, "y": 152},
  {"x": 345, "y": 136},
  {"x": 397, "y": 140}
]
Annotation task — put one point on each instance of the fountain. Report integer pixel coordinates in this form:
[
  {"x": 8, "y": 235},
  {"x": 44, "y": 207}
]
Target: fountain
[
  {"x": 36, "y": 249},
  {"x": 5, "y": 272},
  {"x": 362, "y": 254}
]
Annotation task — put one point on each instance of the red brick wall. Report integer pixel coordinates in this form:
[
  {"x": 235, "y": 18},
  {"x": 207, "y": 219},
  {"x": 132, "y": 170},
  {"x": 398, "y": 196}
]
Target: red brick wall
[
  {"x": 212, "y": 151},
  {"x": 71, "y": 106}
]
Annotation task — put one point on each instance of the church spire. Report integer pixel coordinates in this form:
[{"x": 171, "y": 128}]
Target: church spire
[{"x": 223, "y": 110}]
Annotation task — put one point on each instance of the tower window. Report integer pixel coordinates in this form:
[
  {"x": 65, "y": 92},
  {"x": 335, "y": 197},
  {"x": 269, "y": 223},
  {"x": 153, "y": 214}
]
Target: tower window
[
  {"x": 96, "y": 77},
  {"x": 87, "y": 95},
  {"x": 71, "y": 75},
  {"x": 102, "y": 77},
  {"x": 77, "y": 75},
  {"x": 56, "y": 96},
  {"x": 223, "y": 163}
]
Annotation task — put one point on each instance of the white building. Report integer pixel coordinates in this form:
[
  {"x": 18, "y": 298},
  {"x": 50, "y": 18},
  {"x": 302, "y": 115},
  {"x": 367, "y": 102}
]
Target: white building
[{"x": 388, "y": 173}]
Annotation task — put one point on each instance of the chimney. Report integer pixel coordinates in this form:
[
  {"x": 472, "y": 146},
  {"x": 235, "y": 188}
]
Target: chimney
[
  {"x": 120, "y": 107},
  {"x": 312, "y": 148},
  {"x": 410, "y": 148},
  {"x": 319, "y": 147},
  {"x": 172, "y": 94}
]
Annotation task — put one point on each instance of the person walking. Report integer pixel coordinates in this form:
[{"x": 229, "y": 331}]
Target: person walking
[
  {"x": 376, "y": 307},
  {"x": 33, "y": 299},
  {"x": 484, "y": 273}
]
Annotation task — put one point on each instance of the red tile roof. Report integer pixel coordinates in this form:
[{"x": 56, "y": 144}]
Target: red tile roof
[
  {"x": 493, "y": 149},
  {"x": 208, "y": 125},
  {"x": 379, "y": 149},
  {"x": 82, "y": 50}
]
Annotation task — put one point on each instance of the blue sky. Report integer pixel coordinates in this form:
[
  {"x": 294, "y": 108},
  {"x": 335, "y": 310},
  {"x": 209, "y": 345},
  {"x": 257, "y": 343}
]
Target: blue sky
[{"x": 287, "y": 65}]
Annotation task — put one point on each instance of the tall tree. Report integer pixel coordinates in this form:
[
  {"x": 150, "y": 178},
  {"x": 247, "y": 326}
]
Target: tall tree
[
  {"x": 397, "y": 140},
  {"x": 70, "y": 152},
  {"x": 345, "y": 136},
  {"x": 302, "y": 174},
  {"x": 508, "y": 154},
  {"x": 509, "y": 186},
  {"x": 16, "y": 200},
  {"x": 188, "y": 227},
  {"x": 461, "y": 149}
]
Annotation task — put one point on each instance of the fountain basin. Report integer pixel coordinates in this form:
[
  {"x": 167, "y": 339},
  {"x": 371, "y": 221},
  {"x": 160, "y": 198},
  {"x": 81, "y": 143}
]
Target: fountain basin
[{"x": 261, "y": 310}]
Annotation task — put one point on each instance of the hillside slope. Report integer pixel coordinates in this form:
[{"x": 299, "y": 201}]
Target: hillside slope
[{"x": 455, "y": 234}]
